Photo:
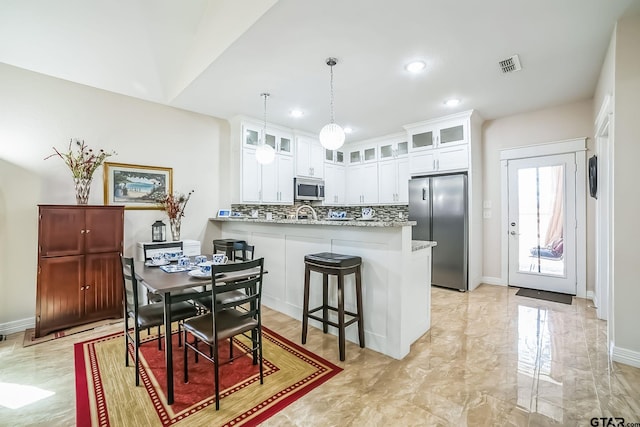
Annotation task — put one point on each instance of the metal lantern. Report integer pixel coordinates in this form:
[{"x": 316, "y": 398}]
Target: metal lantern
[{"x": 158, "y": 231}]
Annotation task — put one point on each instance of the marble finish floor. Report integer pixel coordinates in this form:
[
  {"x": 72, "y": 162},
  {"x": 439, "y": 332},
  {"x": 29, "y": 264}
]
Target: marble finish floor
[{"x": 490, "y": 359}]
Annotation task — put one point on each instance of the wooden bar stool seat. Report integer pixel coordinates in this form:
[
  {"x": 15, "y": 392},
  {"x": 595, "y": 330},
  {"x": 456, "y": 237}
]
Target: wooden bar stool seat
[{"x": 328, "y": 263}]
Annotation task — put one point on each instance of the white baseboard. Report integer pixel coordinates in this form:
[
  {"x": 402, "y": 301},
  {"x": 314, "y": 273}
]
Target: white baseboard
[
  {"x": 493, "y": 281},
  {"x": 626, "y": 356},
  {"x": 17, "y": 326},
  {"x": 592, "y": 296}
]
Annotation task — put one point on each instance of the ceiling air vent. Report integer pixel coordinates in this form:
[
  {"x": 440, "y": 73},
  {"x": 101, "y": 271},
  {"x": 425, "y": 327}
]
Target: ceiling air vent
[{"x": 510, "y": 64}]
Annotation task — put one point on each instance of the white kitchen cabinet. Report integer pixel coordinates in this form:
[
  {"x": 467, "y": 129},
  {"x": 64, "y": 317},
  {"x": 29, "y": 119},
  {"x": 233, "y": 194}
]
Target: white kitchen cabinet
[
  {"x": 440, "y": 160},
  {"x": 393, "y": 149},
  {"x": 439, "y": 145},
  {"x": 393, "y": 181},
  {"x": 280, "y": 141},
  {"x": 334, "y": 156},
  {"x": 362, "y": 184},
  {"x": 251, "y": 134},
  {"x": 309, "y": 158},
  {"x": 277, "y": 180},
  {"x": 270, "y": 183},
  {"x": 364, "y": 154},
  {"x": 251, "y": 177},
  {"x": 334, "y": 185}
]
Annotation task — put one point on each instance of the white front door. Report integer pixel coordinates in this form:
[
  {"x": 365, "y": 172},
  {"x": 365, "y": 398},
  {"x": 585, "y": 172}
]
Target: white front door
[{"x": 542, "y": 223}]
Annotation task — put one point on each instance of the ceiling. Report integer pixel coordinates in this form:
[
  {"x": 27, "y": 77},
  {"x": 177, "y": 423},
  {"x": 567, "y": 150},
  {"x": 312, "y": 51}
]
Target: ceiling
[{"x": 215, "y": 57}]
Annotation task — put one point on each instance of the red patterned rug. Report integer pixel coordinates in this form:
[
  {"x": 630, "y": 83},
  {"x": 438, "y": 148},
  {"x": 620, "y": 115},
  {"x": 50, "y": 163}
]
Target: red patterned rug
[{"x": 106, "y": 394}]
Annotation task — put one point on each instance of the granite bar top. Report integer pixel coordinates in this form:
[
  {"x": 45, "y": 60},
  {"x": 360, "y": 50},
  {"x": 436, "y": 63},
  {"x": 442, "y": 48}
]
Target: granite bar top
[
  {"x": 416, "y": 245},
  {"x": 343, "y": 223}
]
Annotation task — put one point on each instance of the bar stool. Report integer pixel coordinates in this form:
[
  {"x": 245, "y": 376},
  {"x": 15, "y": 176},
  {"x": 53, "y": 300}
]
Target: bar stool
[{"x": 338, "y": 265}]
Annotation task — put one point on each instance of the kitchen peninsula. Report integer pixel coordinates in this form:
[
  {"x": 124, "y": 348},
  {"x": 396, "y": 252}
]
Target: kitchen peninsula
[{"x": 396, "y": 273}]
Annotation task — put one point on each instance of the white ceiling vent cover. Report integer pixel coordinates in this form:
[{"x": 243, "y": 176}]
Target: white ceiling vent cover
[{"x": 510, "y": 64}]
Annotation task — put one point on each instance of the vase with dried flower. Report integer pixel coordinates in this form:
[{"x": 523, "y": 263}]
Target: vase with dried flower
[
  {"x": 174, "y": 204},
  {"x": 83, "y": 162}
]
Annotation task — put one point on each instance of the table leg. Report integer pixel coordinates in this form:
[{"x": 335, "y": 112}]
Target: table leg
[{"x": 168, "y": 348}]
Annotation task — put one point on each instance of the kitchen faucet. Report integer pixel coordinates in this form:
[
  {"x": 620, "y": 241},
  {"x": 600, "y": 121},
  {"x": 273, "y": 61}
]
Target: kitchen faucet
[{"x": 313, "y": 212}]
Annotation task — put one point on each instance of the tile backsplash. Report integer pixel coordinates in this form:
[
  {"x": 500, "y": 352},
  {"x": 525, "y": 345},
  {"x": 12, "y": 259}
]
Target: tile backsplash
[{"x": 382, "y": 212}]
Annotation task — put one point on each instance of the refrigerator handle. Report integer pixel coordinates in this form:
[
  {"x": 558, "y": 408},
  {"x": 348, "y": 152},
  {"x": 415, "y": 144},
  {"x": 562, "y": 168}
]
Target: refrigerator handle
[{"x": 424, "y": 194}]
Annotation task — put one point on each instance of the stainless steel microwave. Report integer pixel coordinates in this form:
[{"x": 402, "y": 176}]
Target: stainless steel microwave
[{"x": 308, "y": 189}]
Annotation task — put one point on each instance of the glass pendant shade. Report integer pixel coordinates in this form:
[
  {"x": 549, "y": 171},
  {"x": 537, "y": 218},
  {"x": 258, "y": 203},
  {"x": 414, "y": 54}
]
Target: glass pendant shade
[
  {"x": 332, "y": 136},
  {"x": 265, "y": 154}
]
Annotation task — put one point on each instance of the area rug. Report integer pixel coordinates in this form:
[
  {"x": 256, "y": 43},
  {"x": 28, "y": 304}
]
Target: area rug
[
  {"x": 30, "y": 334},
  {"x": 545, "y": 295},
  {"x": 106, "y": 394}
]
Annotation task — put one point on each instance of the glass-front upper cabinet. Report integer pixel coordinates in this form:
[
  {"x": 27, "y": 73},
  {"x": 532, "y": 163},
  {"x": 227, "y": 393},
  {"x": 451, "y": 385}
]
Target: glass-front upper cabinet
[
  {"x": 422, "y": 139},
  {"x": 280, "y": 141},
  {"x": 334, "y": 156},
  {"x": 451, "y": 134},
  {"x": 251, "y": 135},
  {"x": 438, "y": 133},
  {"x": 362, "y": 155},
  {"x": 389, "y": 150}
]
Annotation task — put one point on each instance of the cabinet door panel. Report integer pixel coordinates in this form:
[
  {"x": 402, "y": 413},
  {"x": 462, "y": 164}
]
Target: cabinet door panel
[
  {"x": 387, "y": 181},
  {"x": 61, "y": 231},
  {"x": 452, "y": 134},
  {"x": 453, "y": 158},
  {"x": 422, "y": 162},
  {"x": 354, "y": 189},
  {"x": 270, "y": 182},
  {"x": 103, "y": 286},
  {"x": 403, "y": 181},
  {"x": 370, "y": 183},
  {"x": 250, "y": 177},
  {"x": 285, "y": 179},
  {"x": 103, "y": 230},
  {"x": 59, "y": 294},
  {"x": 316, "y": 161}
]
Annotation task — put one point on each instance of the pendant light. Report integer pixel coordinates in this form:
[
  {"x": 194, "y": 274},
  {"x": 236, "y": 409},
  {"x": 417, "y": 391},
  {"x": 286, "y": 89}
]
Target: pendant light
[
  {"x": 265, "y": 153},
  {"x": 332, "y": 135}
]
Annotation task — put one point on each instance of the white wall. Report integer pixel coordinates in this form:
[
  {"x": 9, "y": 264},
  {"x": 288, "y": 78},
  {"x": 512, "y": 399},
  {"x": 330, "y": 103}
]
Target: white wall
[
  {"x": 39, "y": 112},
  {"x": 551, "y": 124},
  {"x": 626, "y": 198}
]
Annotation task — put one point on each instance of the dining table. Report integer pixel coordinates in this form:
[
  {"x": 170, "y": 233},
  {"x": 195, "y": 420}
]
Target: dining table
[{"x": 170, "y": 287}]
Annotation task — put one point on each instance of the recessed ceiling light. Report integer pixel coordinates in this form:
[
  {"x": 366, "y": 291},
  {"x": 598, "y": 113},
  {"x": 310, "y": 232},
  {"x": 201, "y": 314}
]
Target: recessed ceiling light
[
  {"x": 347, "y": 130},
  {"x": 451, "y": 102},
  {"x": 296, "y": 113},
  {"x": 415, "y": 66}
]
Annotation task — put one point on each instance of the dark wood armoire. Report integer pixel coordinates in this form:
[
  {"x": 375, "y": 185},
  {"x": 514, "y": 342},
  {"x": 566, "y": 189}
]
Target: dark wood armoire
[{"x": 79, "y": 272}]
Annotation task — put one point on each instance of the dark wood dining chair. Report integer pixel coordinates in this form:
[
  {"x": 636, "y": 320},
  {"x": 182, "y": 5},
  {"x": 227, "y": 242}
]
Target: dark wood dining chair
[
  {"x": 226, "y": 321},
  {"x": 242, "y": 251},
  {"x": 145, "y": 316}
]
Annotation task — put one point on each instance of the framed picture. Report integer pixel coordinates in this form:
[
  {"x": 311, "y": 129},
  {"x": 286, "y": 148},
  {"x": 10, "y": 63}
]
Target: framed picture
[{"x": 136, "y": 186}]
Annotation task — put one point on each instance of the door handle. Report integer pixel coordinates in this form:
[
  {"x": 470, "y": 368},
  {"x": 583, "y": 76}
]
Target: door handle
[
  {"x": 424, "y": 194},
  {"x": 513, "y": 233}
]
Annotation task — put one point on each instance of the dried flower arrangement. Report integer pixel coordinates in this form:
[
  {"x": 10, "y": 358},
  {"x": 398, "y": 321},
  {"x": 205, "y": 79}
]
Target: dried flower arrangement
[
  {"x": 83, "y": 162},
  {"x": 174, "y": 204}
]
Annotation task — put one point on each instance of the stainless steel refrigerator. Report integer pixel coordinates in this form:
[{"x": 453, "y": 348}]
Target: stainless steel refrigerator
[{"x": 439, "y": 205}]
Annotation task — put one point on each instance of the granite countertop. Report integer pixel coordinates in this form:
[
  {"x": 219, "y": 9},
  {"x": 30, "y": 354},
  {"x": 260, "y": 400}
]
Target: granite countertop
[
  {"x": 348, "y": 222},
  {"x": 416, "y": 245}
]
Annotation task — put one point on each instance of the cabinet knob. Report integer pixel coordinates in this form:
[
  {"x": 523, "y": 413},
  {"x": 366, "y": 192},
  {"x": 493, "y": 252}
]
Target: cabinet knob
[
  {"x": 87, "y": 287},
  {"x": 81, "y": 231},
  {"x": 88, "y": 231},
  {"x": 82, "y": 288}
]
